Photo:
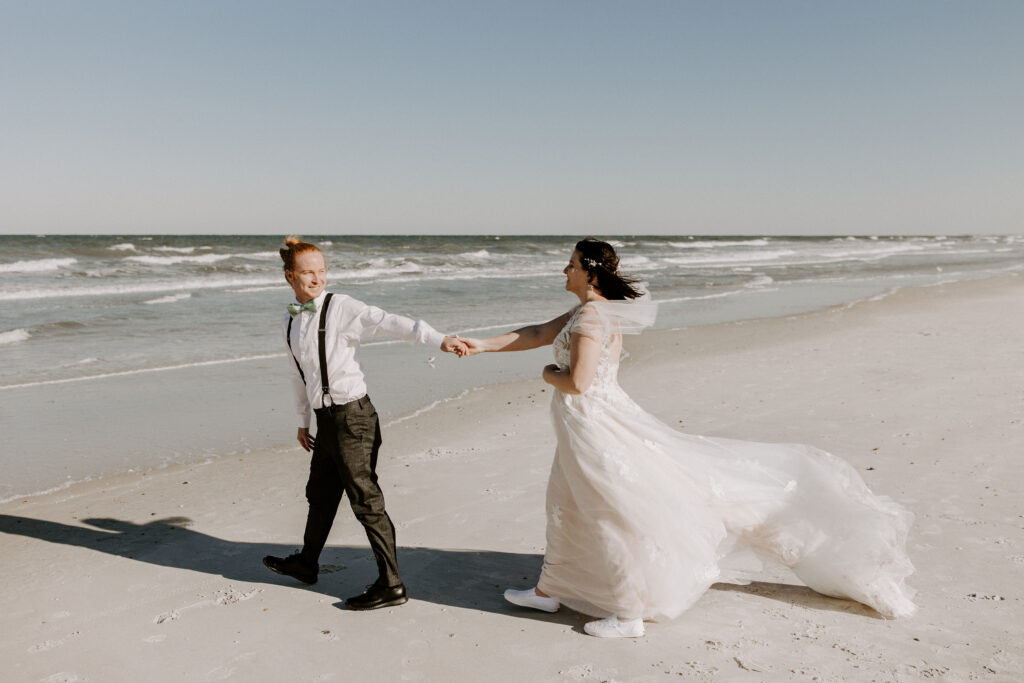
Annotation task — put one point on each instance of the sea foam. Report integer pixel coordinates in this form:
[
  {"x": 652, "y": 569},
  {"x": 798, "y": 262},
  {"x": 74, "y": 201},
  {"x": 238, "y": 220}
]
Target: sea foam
[
  {"x": 172, "y": 260},
  {"x": 142, "y": 288},
  {"x": 14, "y": 337},
  {"x": 178, "y": 250},
  {"x": 36, "y": 266},
  {"x": 744, "y": 257},
  {"x": 718, "y": 244},
  {"x": 169, "y": 299}
]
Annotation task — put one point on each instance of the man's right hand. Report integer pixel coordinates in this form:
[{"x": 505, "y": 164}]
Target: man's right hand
[{"x": 306, "y": 440}]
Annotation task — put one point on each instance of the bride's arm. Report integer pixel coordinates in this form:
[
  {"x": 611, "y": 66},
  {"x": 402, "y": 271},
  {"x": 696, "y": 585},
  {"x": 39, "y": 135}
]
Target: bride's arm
[
  {"x": 584, "y": 354},
  {"x": 522, "y": 339}
]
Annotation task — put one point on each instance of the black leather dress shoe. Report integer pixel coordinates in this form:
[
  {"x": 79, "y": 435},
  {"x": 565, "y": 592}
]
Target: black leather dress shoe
[
  {"x": 377, "y": 596},
  {"x": 292, "y": 566}
]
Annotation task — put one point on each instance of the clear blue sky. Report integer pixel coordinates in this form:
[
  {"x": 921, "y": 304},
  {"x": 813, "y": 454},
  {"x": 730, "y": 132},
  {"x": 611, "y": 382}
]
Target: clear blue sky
[{"x": 716, "y": 117}]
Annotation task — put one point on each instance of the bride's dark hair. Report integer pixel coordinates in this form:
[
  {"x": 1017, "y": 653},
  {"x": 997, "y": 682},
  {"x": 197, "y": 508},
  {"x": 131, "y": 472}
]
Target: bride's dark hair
[{"x": 599, "y": 259}]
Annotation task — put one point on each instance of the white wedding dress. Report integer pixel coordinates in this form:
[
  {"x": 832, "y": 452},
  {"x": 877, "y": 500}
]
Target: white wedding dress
[{"x": 642, "y": 518}]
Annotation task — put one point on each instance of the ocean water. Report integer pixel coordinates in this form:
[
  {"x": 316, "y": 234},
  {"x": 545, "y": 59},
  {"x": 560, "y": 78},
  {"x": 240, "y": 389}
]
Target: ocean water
[{"x": 129, "y": 352}]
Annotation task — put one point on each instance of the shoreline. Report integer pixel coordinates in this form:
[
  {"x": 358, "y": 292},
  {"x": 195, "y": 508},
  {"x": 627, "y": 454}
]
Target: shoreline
[
  {"x": 156, "y": 575},
  {"x": 270, "y": 403},
  {"x": 274, "y": 404}
]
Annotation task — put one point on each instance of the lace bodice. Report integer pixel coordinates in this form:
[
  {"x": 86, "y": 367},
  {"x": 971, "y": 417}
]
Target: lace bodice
[{"x": 590, "y": 322}]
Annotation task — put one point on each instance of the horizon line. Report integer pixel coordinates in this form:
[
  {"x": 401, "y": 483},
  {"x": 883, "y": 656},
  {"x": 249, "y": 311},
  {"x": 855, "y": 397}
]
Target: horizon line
[{"x": 503, "y": 234}]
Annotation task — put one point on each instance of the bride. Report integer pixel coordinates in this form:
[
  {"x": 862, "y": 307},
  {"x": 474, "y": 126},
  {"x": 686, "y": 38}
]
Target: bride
[{"x": 642, "y": 519}]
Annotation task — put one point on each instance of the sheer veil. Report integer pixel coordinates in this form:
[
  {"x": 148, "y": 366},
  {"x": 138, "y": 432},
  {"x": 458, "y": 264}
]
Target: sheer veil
[{"x": 624, "y": 317}]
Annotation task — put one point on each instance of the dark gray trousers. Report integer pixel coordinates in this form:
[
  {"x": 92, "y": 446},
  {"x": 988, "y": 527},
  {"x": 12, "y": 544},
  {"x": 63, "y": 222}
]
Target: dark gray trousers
[{"x": 345, "y": 462}]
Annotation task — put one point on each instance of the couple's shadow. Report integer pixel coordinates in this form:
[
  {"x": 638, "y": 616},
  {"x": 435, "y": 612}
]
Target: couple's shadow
[{"x": 470, "y": 579}]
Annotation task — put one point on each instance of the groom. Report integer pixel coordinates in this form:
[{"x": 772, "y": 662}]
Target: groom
[{"x": 322, "y": 331}]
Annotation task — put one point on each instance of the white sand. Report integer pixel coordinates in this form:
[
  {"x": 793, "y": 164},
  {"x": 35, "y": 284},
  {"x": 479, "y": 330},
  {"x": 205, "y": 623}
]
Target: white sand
[{"x": 144, "y": 577}]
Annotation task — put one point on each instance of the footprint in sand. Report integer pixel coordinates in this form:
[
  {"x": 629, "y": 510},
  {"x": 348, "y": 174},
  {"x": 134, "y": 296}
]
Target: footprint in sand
[
  {"x": 704, "y": 672},
  {"x": 925, "y": 670},
  {"x": 775, "y": 613},
  {"x": 748, "y": 664},
  {"x": 229, "y": 596},
  {"x": 223, "y": 596},
  {"x": 166, "y": 616},
  {"x": 812, "y": 632}
]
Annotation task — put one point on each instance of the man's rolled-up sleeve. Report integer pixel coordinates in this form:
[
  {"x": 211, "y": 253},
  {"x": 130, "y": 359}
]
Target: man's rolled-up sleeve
[{"x": 373, "y": 321}]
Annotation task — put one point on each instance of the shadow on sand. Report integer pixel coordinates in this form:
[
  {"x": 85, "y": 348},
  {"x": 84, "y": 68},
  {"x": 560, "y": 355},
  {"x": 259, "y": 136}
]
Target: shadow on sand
[
  {"x": 471, "y": 579},
  {"x": 801, "y": 596}
]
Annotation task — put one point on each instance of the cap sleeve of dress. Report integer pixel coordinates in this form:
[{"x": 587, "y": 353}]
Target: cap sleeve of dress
[{"x": 589, "y": 322}]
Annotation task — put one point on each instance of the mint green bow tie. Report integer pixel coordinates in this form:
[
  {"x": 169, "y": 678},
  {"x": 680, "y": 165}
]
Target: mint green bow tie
[{"x": 295, "y": 309}]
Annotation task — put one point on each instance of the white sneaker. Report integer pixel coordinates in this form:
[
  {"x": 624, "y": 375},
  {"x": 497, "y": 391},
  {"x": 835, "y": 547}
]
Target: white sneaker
[
  {"x": 611, "y": 627},
  {"x": 529, "y": 598}
]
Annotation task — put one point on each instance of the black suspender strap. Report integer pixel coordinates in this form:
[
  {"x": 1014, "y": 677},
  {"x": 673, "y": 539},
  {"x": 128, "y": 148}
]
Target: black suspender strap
[
  {"x": 325, "y": 385},
  {"x": 288, "y": 337},
  {"x": 322, "y": 349}
]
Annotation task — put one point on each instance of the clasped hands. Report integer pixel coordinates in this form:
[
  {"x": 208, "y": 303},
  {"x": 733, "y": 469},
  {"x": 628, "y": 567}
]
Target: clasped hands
[
  {"x": 468, "y": 346},
  {"x": 462, "y": 346},
  {"x": 456, "y": 345}
]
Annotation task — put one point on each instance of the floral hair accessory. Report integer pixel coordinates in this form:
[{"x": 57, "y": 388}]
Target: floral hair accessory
[{"x": 590, "y": 263}]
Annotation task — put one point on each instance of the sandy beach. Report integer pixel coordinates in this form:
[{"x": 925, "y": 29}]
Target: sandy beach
[{"x": 156, "y": 576}]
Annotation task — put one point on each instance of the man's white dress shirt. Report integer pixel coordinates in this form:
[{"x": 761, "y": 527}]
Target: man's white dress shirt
[{"x": 348, "y": 321}]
